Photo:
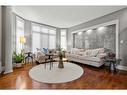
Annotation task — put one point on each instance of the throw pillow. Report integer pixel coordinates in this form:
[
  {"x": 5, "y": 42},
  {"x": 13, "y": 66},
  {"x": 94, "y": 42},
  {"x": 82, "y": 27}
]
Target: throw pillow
[
  {"x": 94, "y": 52},
  {"x": 39, "y": 53},
  {"x": 45, "y": 50}
]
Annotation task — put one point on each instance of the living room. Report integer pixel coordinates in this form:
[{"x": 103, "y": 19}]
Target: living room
[{"x": 51, "y": 42}]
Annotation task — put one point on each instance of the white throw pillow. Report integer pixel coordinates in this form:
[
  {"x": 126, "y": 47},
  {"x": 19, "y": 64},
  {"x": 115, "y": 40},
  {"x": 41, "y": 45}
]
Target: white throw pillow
[
  {"x": 40, "y": 53},
  {"x": 94, "y": 52},
  {"x": 101, "y": 50},
  {"x": 87, "y": 53}
]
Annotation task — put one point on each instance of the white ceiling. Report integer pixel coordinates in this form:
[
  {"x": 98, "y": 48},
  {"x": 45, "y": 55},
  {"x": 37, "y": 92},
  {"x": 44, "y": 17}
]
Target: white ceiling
[{"x": 64, "y": 16}]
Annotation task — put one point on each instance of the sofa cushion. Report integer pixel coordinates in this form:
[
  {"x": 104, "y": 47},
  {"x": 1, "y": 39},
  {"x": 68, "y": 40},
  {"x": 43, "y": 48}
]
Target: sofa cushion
[
  {"x": 72, "y": 55},
  {"x": 89, "y": 58}
]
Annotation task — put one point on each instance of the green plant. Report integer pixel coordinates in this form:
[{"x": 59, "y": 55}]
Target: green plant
[
  {"x": 60, "y": 52},
  {"x": 18, "y": 58}
]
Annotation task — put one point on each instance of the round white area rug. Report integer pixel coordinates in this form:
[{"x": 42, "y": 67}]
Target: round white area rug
[{"x": 70, "y": 72}]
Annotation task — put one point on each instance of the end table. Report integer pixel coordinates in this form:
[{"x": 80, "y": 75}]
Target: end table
[
  {"x": 113, "y": 63},
  {"x": 29, "y": 55}
]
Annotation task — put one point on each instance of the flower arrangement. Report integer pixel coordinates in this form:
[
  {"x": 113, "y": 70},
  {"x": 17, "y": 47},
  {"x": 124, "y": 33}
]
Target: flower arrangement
[{"x": 60, "y": 52}]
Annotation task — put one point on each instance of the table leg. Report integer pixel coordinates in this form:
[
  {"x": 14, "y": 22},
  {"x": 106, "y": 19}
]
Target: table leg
[
  {"x": 114, "y": 66},
  {"x": 45, "y": 65},
  {"x": 50, "y": 65},
  {"x": 110, "y": 66}
]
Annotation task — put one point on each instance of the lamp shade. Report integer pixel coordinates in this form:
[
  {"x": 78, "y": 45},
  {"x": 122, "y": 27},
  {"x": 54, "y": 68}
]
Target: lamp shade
[{"x": 22, "y": 40}]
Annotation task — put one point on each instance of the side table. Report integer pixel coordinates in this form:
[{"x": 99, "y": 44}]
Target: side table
[
  {"x": 50, "y": 60},
  {"x": 112, "y": 63},
  {"x": 29, "y": 56}
]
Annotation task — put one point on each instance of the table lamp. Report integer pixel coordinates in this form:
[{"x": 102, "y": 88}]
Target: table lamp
[{"x": 22, "y": 40}]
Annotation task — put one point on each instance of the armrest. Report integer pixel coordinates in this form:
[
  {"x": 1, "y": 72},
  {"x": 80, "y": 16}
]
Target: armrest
[{"x": 102, "y": 55}]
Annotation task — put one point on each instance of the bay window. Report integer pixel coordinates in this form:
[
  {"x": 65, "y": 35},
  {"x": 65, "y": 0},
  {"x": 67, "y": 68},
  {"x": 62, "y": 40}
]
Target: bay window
[{"x": 43, "y": 37}]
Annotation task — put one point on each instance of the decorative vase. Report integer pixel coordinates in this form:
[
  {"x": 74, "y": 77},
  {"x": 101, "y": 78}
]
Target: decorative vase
[{"x": 60, "y": 65}]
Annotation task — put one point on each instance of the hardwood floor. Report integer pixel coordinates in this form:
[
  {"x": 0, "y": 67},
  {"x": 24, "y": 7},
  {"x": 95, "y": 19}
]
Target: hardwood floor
[{"x": 93, "y": 78}]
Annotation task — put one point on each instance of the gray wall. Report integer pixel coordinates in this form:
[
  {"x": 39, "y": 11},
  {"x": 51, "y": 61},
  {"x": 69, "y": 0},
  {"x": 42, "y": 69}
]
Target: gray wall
[
  {"x": 0, "y": 38},
  {"x": 7, "y": 38},
  {"x": 121, "y": 15},
  {"x": 0, "y": 31}
]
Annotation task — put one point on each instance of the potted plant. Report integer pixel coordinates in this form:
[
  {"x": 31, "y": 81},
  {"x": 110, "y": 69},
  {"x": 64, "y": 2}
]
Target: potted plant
[
  {"x": 60, "y": 54},
  {"x": 18, "y": 58}
]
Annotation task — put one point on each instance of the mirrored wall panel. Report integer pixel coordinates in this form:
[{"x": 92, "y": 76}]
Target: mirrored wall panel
[{"x": 102, "y": 37}]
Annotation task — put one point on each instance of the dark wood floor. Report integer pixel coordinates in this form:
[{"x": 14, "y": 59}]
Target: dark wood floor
[{"x": 93, "y": 78}]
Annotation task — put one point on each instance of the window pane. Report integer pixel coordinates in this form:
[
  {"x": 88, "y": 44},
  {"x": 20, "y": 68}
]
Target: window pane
[
  {"x": 63, "y": 33},
  {"x": 52, "y": 32},
  {"x": 36, "y": 41},
  {"x": 44, "y": 41},
  {"x": 63, "y": 39},
  {"x": 44, "y": 30},
  {"x": 47, "y": 37},
  {"x": 52, "y": 42},
  {"x": 63, "y": 42},
  {"x": 35, "y": 28},
  {"x": 20, "y": 22}
]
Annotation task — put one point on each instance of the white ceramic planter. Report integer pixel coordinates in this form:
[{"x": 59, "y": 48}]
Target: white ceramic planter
[{"x": 18, "y": 65}]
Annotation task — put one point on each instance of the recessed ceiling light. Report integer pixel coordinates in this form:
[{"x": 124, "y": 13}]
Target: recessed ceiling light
[
  {"x": 79, "y": 33},
  {"x": 89, "y": 31},
  {"x": 101, "y": 28}
]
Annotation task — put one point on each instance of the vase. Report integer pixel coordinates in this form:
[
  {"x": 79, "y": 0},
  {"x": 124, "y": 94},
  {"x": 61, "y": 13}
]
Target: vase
[{"x": 60, "y": 65}]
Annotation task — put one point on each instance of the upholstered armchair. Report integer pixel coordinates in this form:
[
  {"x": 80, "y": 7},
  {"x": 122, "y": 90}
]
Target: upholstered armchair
[{"x": 40, "y": 57}]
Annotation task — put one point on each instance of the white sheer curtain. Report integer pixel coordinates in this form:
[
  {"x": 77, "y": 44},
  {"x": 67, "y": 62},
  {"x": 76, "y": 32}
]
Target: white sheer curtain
[
  {"x": 44, "y": 41},
  {"x": 63, "y": 39},
  {"x": 19, "y": 33},
  {"x": 52, "y": 39},
  {"x": 36, "y": 41}
]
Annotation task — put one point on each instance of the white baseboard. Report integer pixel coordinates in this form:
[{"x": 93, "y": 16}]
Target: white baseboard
[
  {"x": 120, "y": 67},
  {"x": 3, "y": 68},
  {"x": 9, "y": 71}
]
